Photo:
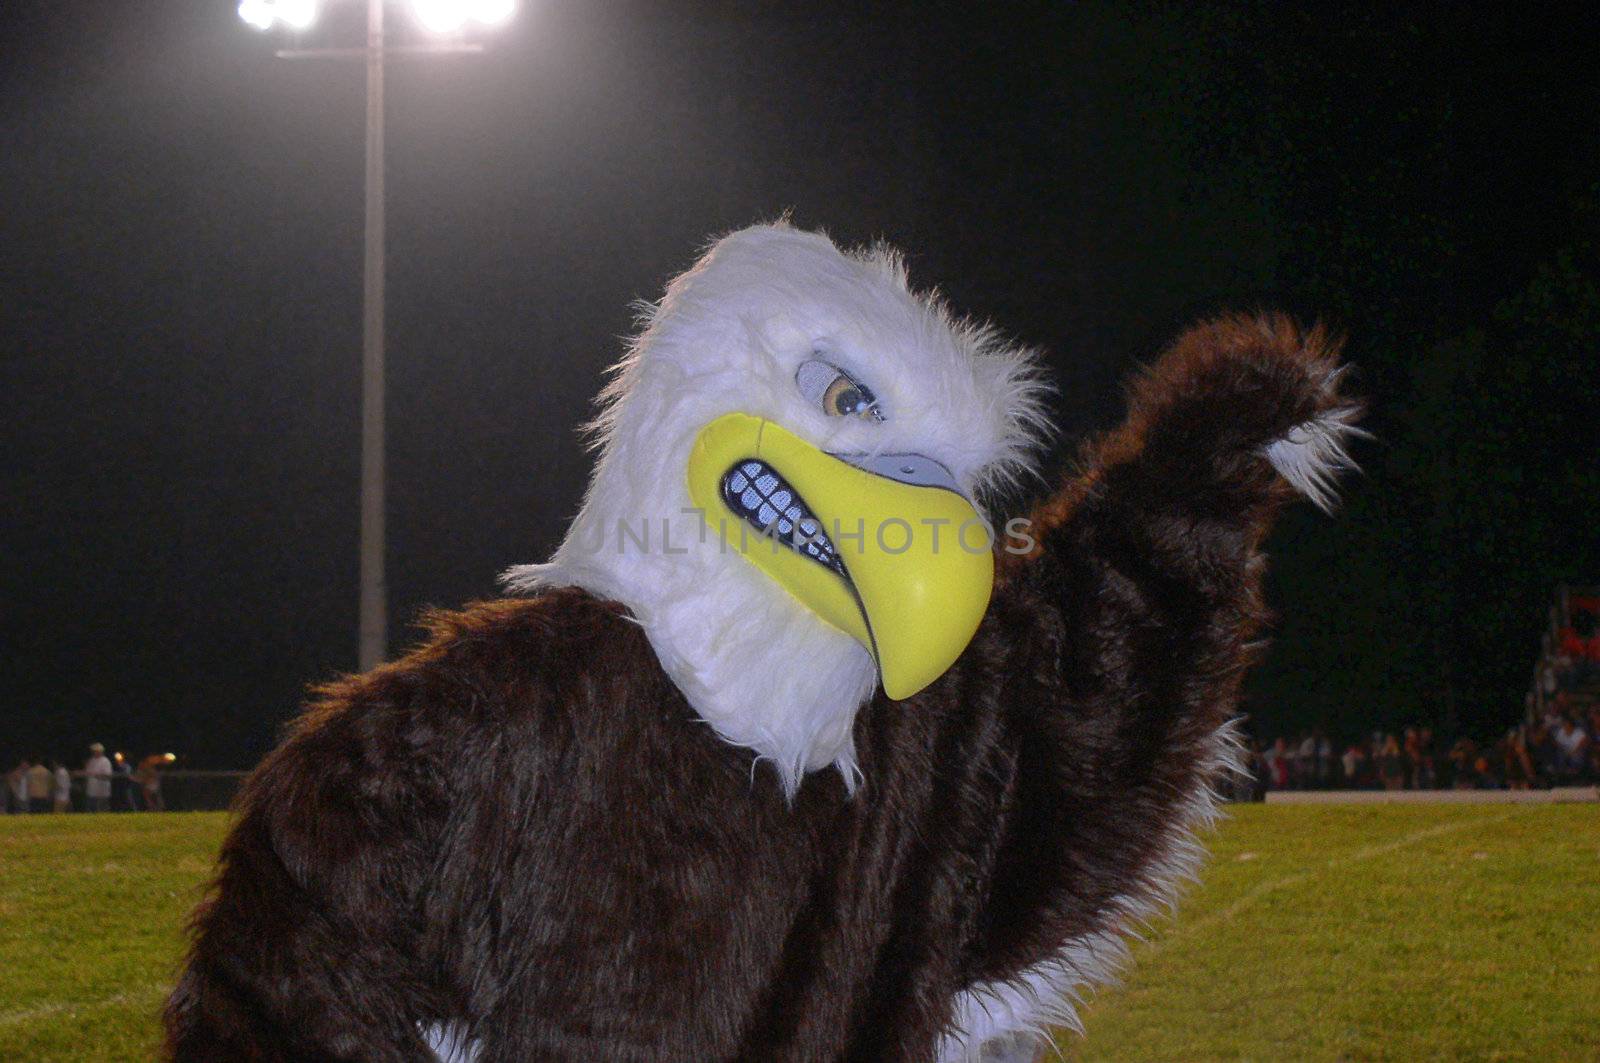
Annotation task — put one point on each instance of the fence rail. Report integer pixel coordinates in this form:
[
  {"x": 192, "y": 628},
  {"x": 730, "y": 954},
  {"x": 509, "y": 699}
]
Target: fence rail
[
  {"x": 1558, "y": 796},
  {"x": 182, "y": 790}
]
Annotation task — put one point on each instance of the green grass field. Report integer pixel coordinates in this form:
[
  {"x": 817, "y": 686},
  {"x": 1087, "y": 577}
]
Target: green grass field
[{"x": 1389, "y": 932}]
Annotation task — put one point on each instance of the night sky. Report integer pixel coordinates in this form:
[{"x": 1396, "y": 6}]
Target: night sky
[{"x": 180, "y": 252}]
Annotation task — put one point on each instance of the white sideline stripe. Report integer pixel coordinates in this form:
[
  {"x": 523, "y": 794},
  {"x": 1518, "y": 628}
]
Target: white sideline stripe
[
  {"x": 1405, "y": 841},
  {"x": 153, "y": 991},
  {"x": 1559, "y": 795}
]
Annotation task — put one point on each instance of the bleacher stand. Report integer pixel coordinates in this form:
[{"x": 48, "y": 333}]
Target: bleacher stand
[{"x": 1564, "y": 704}]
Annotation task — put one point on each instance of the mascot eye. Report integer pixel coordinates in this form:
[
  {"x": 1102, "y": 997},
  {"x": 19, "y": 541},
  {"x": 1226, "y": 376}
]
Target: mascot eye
[{"x": 837, "y": 392}]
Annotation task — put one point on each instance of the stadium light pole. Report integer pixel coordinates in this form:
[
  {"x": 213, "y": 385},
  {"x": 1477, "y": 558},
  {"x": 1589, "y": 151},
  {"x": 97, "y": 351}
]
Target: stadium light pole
[{"x": 440, "y": 17}]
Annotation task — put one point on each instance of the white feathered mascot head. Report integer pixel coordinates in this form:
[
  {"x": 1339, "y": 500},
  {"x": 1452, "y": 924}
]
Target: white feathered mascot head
[{"x": 789, "y": 458}]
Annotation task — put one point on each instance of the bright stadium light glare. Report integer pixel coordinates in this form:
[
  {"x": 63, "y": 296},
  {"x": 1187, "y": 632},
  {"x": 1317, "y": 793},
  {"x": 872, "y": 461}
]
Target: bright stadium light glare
[
  {"x": 450, "y": 16},
  {"x": 493, "y": 12},
  {"x": 263, "y": 14},
  {"x": 440, "y": 16},
  {"x": 298, "y": 14},
  {"x": 258, "y": 13}
]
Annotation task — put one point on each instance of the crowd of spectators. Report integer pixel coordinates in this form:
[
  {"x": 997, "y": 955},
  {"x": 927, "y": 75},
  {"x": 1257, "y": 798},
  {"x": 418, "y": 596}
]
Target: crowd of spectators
[
  {"x": 1562, "y": 748},
  {"x": 1557, "y": 744},
  {"x": 102, "y": 784}
]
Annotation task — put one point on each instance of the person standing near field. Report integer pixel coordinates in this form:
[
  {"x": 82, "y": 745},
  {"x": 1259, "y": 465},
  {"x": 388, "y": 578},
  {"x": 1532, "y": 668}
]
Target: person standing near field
[
  {"x": 98, "y": 784},
  {"x": 122, "y": 788},
  {"x": 39, "y": 783},
  {"x": 17, "y": 786},
  {"x": 1391, "y": 765},
  {"x": 1354, "y": 763},
  {"x": 63, "y": 787},
  {"x": 149, "y": 779}
]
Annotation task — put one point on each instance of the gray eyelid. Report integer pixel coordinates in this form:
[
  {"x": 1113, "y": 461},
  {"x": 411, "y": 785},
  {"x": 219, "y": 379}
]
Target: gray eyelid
[{"x": 814, "y": 376}]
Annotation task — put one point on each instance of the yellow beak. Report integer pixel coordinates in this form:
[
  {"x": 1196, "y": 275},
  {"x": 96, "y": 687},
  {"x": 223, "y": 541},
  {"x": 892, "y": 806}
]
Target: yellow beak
[{"x": 894, "y": 555}]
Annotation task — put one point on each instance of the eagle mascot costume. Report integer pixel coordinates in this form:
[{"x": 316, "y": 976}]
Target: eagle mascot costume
[{"x": 789, "y": 752}]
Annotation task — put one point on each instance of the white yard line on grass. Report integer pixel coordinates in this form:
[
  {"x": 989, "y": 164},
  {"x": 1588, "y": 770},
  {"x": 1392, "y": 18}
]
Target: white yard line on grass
[
  {"x": 1405, "y": 841},
  {"x": 149, "y": 993}
]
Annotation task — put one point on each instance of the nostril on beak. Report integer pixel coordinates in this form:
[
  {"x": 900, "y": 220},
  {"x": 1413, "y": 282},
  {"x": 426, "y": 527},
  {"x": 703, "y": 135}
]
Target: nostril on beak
[{"x": 918, "y": 470}]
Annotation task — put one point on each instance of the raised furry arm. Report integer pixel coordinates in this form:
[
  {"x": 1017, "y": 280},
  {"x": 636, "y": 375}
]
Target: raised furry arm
[
  {"x": 1236, "y": 415},
  {"x": 1129, "y": 629}
]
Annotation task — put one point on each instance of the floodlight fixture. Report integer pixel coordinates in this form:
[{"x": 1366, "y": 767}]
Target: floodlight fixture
[
  {"x": 440, "y": 16},
  {"x": 264, "y": 14},
  {"x": 451, "y": 16}
]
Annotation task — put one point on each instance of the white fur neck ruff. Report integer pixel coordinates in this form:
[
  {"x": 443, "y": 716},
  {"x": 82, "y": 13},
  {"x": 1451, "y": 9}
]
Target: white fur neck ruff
[{"x": 728, "y": 337}]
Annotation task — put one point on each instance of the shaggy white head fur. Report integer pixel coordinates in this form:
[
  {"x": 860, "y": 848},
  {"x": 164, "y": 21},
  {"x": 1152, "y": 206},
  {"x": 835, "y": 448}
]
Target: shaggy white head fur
[{"x": 728, "y": 337}]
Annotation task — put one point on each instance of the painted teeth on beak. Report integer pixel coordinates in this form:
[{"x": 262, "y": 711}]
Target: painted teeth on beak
[
  {"x": 915, "y": 606},
  {"x": 754, "y": 490}
]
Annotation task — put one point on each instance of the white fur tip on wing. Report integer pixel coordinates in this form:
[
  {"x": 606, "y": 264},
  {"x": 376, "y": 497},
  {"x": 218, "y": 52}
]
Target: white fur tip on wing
[
  {"x": 1312, "y": 455},
  {"x": 450, "y": 1043},
  {"x": 1005, "y": 1020}
]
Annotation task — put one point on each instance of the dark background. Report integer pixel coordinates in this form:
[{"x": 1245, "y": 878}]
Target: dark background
[{"x": 180, "y": 251}]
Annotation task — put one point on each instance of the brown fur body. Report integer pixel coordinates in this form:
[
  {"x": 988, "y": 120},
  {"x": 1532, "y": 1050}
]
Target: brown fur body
[{"x": 524, "y": 827}]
